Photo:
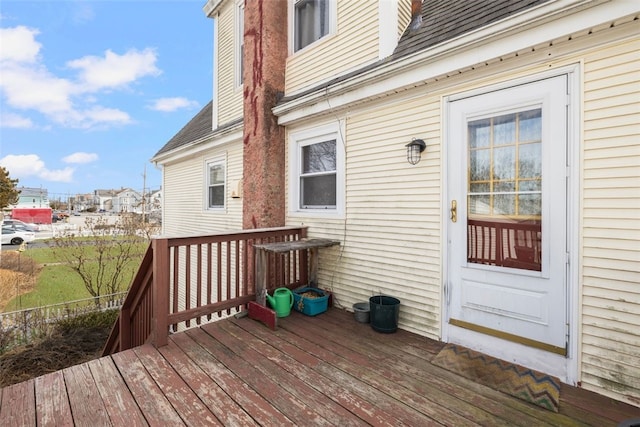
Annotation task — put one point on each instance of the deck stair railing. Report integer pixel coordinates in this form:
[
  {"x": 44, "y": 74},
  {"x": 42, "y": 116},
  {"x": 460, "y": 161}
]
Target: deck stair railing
[{"x": 185, "y": 281}]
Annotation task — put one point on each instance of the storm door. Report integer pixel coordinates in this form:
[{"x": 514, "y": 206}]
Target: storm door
[{"x": 507, "y": 214}]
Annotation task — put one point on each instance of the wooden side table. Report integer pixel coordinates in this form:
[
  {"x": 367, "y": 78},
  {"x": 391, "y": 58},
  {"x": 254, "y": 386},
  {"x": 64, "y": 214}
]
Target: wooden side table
[{"x": 258, "y": 309}]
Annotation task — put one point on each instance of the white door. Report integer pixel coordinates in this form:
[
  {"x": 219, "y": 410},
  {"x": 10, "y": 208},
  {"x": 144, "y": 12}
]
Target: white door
[{"x": 507, "y": 226}]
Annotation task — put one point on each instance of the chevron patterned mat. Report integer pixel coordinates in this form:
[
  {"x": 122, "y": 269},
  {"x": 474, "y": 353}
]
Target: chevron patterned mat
[{"x": 529, "y": 385}]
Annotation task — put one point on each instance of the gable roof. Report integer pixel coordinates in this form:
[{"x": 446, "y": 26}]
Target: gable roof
[
  {"x": 198, "y": 127},
  {"x": 444, "y": 20}
]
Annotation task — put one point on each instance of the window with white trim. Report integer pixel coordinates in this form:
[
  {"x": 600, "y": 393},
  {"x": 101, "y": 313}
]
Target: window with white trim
[
  {"x": 216, "y": 184},
  {"x": 312, "y": 20},
  {"x": 239, "y": 45},
  {"x": 317, "y": 161}
]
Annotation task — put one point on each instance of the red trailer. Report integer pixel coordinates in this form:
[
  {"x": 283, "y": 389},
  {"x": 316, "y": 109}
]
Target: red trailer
[{"x": 33, "y": 215}]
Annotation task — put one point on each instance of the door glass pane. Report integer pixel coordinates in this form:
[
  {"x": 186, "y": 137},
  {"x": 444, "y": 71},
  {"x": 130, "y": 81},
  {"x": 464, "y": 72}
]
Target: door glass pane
[
  {"x": 480, "y": 165},
  {"x": 504, "y": 199}
]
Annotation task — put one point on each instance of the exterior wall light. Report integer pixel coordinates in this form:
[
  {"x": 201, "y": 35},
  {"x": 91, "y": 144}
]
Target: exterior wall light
[{"x": 414, "y": 150}]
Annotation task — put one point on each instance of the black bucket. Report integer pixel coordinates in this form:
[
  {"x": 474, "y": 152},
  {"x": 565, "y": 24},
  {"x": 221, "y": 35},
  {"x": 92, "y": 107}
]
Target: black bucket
[{"x": 383, "y": 313}]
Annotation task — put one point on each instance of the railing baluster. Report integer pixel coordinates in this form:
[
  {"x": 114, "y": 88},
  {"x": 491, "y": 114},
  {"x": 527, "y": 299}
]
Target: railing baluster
[
  {"x": 176, "y": 282},
  {"x": 219, "y": 274},
  {"x": 199, "y": 281},
  {"x": 209, "y": 277},
  {"x": 237, "y": 269},
  {"x": 228, "y": 275},
  {"x": 187, "y": 303}
]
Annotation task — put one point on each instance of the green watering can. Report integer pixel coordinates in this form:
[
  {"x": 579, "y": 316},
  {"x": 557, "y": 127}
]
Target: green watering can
[{"x": 281, "y": 301}]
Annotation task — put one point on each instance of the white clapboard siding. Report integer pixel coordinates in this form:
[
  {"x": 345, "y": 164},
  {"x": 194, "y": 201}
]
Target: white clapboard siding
[
  {"x": 611, "y": 221},
  {"x": 229, "y": 97},
  {"x": 391, "y": 239},
  {"x": 185, "y": 212},
  {"x": 354, "y": 44},
  {"x": 404, "y": 15}
]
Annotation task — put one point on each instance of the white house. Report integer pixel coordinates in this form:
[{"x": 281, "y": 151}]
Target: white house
[{"x": 515, "y": 232}]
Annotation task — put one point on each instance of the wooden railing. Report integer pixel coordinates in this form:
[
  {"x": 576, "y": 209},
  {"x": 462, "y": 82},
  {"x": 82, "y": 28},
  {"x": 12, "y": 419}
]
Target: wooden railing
[
  {"x": 505, "y": 244},
  {"x": 186, "y": 281}
]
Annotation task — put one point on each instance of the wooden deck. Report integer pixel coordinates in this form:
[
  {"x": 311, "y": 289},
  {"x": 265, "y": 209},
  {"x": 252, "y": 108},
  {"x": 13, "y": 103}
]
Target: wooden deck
[{"x": 324, "y": 370}]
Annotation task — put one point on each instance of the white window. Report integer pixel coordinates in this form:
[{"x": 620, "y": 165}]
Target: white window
[
  {"x": 313, "y": 19},
  {"x": 216, "y": 180},
  {"x": 239, "y": 48},
  {"x": 317, "y": 160}
]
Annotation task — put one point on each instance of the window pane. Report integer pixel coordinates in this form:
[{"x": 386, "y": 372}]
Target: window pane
[
  {"x": 504, "y": 204},
  {"x": 479, "y": 188},
  {"x": 530, "y": 185},
  {"x": 530, "y": 204},
  {"x": 504, "y": 166},
  {"x": 311, "y": 22},
  {"x": 530, "y": 161},
  {"x": 531, "y": 125},
  {"x": 216, "y": 174},
  {"x": 318, "y": 191},
  {"x": 480, "y": 164},
  {"x": 216, "y": 196},
  {"x": 504, "y": 129},
  {"x": 319, "y": 157},
  {"x": 479, "y": 133},
  {"x": 504, "y": 187},
  {"x": 479, "y": 205}
]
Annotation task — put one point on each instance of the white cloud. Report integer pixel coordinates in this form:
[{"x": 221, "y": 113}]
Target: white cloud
[
  {"x": 26, "y": 165},
  {"x": 172, "y": 104},
  {"x": 34, "y": 88},
  {"x": 80, "y": 157},
  {"x": 15, "y": 121},
  {"x": 59, "y": 175},
  {"x": 113, "y": 70},
  {"x": 28, "y": 85},
  {"x": 19, "y": 44}
]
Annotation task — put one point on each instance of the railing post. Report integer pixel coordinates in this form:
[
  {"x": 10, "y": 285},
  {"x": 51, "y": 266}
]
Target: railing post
[
  {"x": 160, "y": 289},
  {"x": 303, "y": 257}
]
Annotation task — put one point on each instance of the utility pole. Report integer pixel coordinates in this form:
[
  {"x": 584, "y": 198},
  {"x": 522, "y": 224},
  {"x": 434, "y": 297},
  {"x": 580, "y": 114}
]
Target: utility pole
[{"x": 144, "y": 185}]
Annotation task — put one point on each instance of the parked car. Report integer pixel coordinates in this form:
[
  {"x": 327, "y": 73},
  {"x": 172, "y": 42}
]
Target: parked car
[
  {"x": 16, "y": 224},
  {"x": 11, "y": 236}
]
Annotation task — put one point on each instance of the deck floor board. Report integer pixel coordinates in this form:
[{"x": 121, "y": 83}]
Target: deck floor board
[{"x": 323, "y": 370}]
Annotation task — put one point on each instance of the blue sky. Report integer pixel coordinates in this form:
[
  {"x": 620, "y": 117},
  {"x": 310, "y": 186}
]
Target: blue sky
[{"x": 91, "y": 90}]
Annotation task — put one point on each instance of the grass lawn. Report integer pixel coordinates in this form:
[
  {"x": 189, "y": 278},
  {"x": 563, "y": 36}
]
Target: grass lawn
[{"x": 58, "y": 283}]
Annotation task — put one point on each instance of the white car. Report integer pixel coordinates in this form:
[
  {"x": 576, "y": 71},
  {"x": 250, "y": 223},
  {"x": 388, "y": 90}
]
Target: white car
[
  {"x": 16, "y": 237},
  {"x": 16, "y": 224}
]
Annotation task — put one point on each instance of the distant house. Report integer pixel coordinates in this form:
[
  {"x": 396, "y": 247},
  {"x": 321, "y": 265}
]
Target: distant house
[
  {"x": 154, "y": 201},
  {"x": 477, "y": 160},
  {"x": 81, "y": 202},
  {"x": 127, "y": 200},
  {"x": 103, "y": 199},
  {"x": 32, "y": 198}
]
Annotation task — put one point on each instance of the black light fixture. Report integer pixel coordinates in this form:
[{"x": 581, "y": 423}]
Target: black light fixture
[{"x": 414, "y": 150}]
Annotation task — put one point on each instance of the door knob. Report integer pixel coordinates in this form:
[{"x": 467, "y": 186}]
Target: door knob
[{"x": 454, "y": 211}]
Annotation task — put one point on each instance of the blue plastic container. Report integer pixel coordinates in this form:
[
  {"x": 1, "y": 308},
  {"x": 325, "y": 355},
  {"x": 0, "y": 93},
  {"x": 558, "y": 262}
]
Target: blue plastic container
[{"x": 308, "y": 305}]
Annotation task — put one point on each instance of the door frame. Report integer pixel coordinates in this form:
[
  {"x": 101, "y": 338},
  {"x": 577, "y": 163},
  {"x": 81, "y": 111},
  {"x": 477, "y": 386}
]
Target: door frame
[{"x": 564, "y": 367}]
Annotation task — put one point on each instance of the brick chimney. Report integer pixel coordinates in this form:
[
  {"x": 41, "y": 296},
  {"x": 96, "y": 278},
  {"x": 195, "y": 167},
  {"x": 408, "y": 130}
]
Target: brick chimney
[
  {"x": 265, "y": 54},
  {"x": 416, "y": 15}
]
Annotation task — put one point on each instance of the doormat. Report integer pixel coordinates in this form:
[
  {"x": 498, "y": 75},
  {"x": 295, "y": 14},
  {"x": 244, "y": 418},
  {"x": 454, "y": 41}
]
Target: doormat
[{"x": 524, "y": 383}]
